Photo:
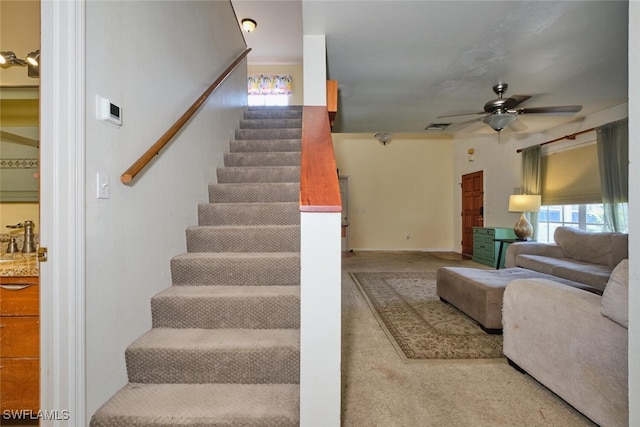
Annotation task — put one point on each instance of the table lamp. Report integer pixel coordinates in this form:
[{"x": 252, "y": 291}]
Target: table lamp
[{"x": 523, "y": 203}]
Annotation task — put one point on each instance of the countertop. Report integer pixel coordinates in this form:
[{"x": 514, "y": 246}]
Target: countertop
[{"x": 18, "y": 264}]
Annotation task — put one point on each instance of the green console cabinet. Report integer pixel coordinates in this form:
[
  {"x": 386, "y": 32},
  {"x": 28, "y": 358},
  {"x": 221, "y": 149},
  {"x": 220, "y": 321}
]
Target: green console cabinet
[{"x": 485, "y": 248}]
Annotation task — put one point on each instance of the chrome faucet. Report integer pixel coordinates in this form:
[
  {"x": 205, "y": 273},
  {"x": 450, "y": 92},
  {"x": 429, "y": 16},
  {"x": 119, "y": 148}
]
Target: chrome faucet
[{"x": 29, "y": 244}]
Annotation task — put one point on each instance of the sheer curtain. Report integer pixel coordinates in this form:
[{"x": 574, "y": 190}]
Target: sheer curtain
[
  {"x": 613, "y": 161},
  {"x": 531, "y": 180},
  {"x": 268, "y": 84}
]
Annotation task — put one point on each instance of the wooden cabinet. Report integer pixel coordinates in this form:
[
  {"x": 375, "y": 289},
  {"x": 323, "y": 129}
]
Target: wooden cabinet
[
  {"x": 485, "y": 248},
  {"x": 19, "y": 344}
]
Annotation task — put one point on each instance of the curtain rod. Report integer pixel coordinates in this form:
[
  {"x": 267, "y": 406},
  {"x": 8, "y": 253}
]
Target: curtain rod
[{"x": 571, "y": 136}]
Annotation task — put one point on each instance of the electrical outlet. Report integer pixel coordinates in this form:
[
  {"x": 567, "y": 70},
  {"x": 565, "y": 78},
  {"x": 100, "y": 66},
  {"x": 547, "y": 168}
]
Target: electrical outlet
[{"x": 102, "y": 186}]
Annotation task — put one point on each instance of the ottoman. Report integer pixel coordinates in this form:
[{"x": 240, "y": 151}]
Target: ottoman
[{"x": 478, "y": 292}]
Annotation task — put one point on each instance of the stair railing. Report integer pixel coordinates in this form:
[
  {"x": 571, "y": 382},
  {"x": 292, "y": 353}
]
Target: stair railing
[
  {"x": 320, "y": 273},
  {"x": 154, "y": 150}
]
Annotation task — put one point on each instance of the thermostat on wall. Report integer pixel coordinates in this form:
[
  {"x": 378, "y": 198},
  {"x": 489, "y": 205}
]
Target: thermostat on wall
[{"x": 108, "y": 111}]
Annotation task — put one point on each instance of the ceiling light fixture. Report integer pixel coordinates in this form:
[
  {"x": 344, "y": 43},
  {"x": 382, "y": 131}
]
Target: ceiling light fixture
[
  {"x": 383, "y": 137},
  {"x": 499, "y": 120},
  {"x": 248, "y": 24}
]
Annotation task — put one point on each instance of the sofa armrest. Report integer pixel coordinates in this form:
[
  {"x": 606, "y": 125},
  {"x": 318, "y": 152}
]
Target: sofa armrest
[
  {"x": 531, "y": 248},
  {"x": 557, "y": 334}
]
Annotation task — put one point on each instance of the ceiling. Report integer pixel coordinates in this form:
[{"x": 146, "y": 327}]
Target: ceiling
[{"x": 401, "y": 64}]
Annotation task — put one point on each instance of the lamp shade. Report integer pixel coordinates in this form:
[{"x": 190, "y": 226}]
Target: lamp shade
[{"x": 524, "y": 203}]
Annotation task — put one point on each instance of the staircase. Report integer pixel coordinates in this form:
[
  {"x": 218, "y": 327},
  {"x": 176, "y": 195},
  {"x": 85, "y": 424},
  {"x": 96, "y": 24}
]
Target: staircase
[{"x": 224, "y": 349}]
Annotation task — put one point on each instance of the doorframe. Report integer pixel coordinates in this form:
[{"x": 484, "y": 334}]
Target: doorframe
[{"x": 62, "y": 212}]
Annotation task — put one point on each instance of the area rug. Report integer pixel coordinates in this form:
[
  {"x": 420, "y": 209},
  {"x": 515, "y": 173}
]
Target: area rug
[{"x": 418, "y": 324}]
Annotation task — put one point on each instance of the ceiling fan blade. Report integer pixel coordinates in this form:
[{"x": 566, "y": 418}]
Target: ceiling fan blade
[
  {"x": 517, "y": 126},
  {"x": 514, "y": 101},
  {"x": 463, "y": 114},
  {"x": 457, "y": 127},
  {"x": 563, "y": 109}
]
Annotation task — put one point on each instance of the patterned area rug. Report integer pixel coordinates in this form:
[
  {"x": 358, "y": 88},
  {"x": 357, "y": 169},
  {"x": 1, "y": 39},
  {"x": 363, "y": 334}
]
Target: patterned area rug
[{"x": 418, "y": 324}]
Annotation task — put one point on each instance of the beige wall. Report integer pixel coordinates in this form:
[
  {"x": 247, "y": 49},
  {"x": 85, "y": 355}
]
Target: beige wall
[
  {"x": 398, "y": 190},
  {"x": 13, "y": 213},
  {"x": 19, "y": 33},
  {"x": 294, "y": 70}
]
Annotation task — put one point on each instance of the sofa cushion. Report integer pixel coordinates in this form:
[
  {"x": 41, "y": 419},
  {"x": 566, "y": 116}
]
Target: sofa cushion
[
  {"x": 619, "y": 248},
  {"x": 582, "y": 272},
  {"x": 592, "y": 274},
  {"x": 595, "y": 248},
  {"x": 615, "y": 299}
]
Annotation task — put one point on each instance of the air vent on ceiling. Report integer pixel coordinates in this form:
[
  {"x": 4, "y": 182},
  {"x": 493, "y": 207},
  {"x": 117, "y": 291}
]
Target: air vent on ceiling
[{"x": 437, "y": 126}]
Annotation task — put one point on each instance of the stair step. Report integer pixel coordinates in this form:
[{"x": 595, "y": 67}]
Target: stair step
[
  {"x": 262, "y": 159},
  {"x": 292, "y": 133},
  {"x": 243, "y": 238},
  {"x": 199, "y": 405},
  {"x": 258, "y": 174},
  {"x": 254, "y": 192},
  {"x": 271, "y": 123},
  {"x": 210, "y": 307},
  {"x": 271, "y": 145},
  {"x": 189, "y": 356},
  {"x": 278, "y": 213},
  {"x": 236, "y": 269},
  {"x": 275, "y": 108},
  {"x": 283, "y": 114}
]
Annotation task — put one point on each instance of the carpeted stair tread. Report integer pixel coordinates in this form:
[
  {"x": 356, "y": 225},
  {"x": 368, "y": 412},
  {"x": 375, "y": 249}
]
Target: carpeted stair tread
[
  {"x": 243, "y": 238},
  {"x": 254, "y": 174},
  {"x": 272, "y": 114},
  {"x": 201, "y": 405},
  {"x": 244, "y": 356},
  {"x": 252, "y": 192},
  {"x": 236, "y": 269},
  {"x": 268, "y": 145},
  {"x": 291, "y": 133},
  {"x": 277, "y": 213},
  {"x": 271, "y": 123},
  {"x": 208, "y": 307},
  {"x": 289, "y": 158}
]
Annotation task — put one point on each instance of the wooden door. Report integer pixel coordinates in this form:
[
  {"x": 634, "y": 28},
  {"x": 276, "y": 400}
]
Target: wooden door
[{"x": 472, "y": 208}]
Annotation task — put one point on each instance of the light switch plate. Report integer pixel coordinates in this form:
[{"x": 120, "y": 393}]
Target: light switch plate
[{"x": 102, "y": 186}]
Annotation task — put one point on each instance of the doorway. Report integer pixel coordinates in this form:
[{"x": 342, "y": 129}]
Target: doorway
[{"x": 472, "y": 208}]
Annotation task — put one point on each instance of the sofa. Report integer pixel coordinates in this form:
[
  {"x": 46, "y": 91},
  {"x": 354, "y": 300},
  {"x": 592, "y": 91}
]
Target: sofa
[
  {"x": 575, "y": 255},
  {"x": 572, "y": 341}
]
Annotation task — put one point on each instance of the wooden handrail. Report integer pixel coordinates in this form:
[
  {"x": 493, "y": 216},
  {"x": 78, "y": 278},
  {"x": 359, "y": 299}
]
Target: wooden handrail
[
  {"x": 319, "y": 188},
  {"x": 139, "y": 164}
]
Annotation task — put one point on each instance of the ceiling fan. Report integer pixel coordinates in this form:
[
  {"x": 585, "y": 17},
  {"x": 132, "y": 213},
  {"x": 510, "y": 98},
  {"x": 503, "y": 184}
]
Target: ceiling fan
[{"x": 502, "y": 112}]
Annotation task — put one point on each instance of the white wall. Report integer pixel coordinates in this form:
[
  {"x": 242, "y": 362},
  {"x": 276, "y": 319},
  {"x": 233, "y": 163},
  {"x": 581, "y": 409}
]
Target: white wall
[
  {"x": 634, "y": 208},
  {"x": 501, "y": 165},
  {"x": 397, "y": 190},
  {"x": 153, "y": 59}
]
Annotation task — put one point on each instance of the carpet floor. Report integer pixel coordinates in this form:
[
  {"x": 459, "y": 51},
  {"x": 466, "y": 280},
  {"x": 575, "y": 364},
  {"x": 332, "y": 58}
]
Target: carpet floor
[
  {"x": 380, "y": 390},
  {"x": 418, "y": 324}
]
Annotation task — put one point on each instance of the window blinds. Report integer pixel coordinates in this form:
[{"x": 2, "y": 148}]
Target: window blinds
[{"x": 571, "y": 177}]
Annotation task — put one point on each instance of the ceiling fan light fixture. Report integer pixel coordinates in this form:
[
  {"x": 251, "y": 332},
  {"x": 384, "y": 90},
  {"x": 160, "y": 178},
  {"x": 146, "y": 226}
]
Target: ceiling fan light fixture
[
  {"x": 499, "y": 120},
  {"x": 248, "y": 24}
]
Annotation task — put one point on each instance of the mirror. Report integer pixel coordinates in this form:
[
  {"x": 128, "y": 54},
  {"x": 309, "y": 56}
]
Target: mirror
[{"x": 19, "y": 144}]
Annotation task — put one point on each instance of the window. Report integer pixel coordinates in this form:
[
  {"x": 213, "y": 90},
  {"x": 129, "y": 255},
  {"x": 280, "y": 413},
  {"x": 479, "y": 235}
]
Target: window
[
  {"x": 269, "y": 90},
  {"x": 588, "y": 217},
  {"x": 268, "y": 100}
]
